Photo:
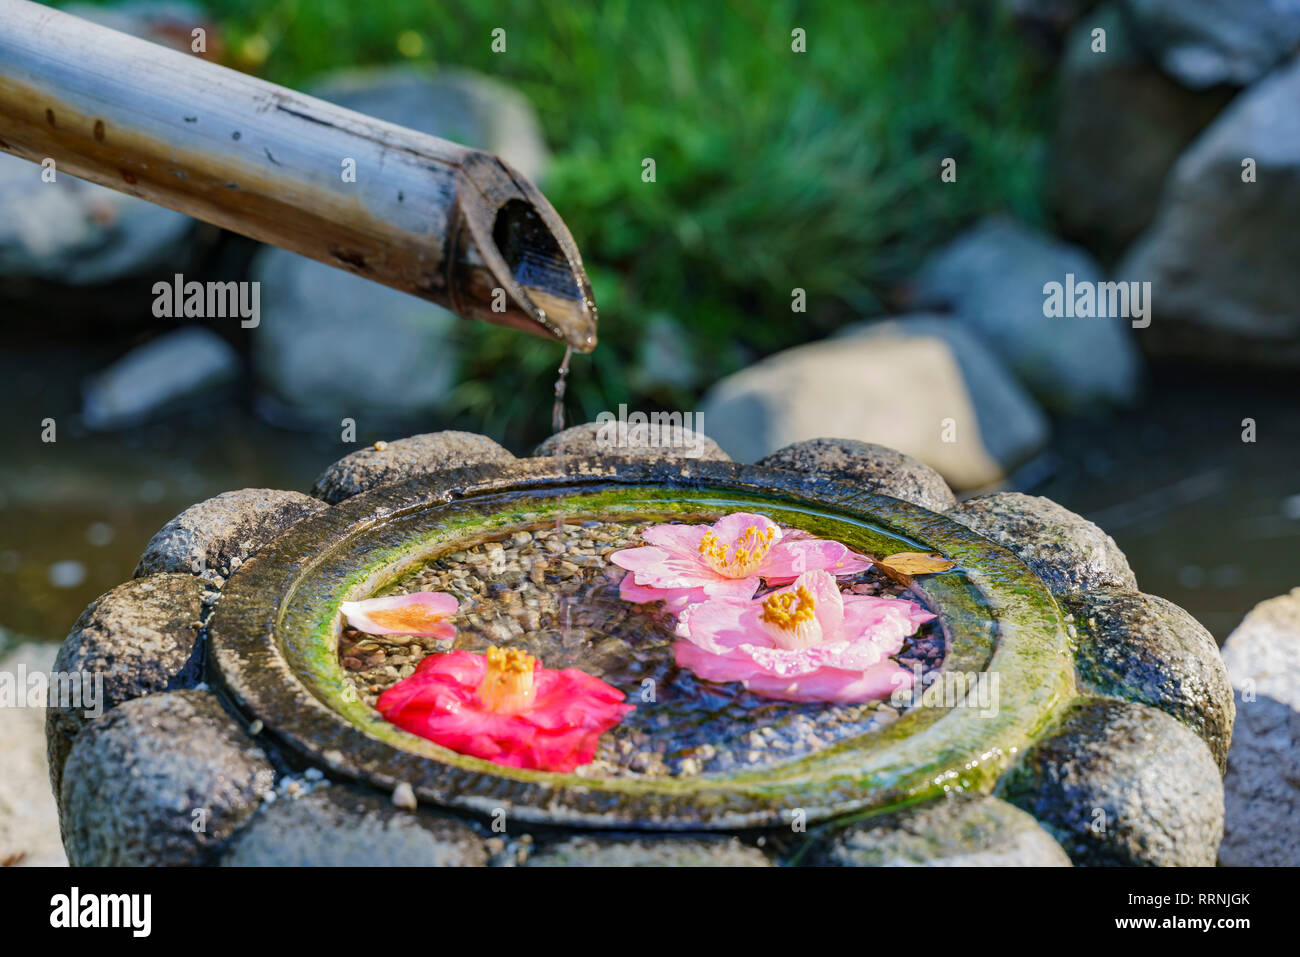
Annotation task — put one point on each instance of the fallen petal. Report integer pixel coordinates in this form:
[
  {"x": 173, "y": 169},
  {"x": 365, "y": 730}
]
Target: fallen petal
[{"x": 423, "y": 613}]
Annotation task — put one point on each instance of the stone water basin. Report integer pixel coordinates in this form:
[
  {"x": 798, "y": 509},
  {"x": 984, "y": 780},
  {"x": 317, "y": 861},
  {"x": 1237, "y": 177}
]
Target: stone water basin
[{"x": 1102, "y": 740}]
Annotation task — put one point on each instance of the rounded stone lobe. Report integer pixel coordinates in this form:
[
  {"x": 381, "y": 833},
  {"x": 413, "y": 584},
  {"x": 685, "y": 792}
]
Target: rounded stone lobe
[
  {"x": 137, "y": 639},
  {"x": 641, "y": 851},
  {"x": 341, "y": 826},
  {"x": 405, "y": 459},
  {"x": 159, "y": 781},
  {"x": 873, "y": 468},
  {"x": 213, "y": 538},
  {"x": 958, "y": 830},
  {"x": 1065, "y": 550},
  {"x": 1122, "y": 784},
  {"x": 1142, "y": 648},
  {"x": 649, "y": 442}
]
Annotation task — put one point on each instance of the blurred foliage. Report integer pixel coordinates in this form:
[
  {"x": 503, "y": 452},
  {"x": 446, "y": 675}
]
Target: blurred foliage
[{"x": 775, "y": 170}]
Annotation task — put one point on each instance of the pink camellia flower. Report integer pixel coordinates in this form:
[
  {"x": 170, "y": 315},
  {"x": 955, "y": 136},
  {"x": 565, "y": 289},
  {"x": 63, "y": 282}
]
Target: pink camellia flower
[
  {"x": 804, "y": 642},
  {"x": 505, "y": 707},
  {"x": 683, "y": 564},
  {"x": 424, "y": 613}
]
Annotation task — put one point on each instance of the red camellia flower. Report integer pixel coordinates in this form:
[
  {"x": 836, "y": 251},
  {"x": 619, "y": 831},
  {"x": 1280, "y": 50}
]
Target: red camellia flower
[{"x": 505, "y": 707}]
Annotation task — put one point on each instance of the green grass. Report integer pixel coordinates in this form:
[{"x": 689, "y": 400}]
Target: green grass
[{"x": 775, "y": 170}]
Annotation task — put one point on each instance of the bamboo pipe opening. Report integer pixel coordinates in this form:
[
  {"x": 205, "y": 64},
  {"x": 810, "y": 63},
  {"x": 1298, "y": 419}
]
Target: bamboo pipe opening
[{"x": 516, "y": 263}]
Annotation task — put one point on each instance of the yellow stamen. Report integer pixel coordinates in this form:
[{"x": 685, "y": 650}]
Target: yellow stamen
[
  {"x": 787, "y": 610},
  {"x": 792, "y": 612},
  {"x": 508, "y": 686},
  {"x": 751, "y": 547}
]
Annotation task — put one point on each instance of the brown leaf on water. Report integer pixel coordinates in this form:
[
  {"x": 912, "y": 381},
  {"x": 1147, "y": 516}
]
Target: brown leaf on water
[{"x": 915, "y": 563}]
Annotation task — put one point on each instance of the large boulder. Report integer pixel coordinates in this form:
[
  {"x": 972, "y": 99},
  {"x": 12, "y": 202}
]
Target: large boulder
[
  {"x": 1262, "y": 787},
  {"x": 992, "y": 277},
  {"x": 1204, "y": 42},
  {"x": 1121, "y": 126},
  {"x": 333, "y": 345},
  {"x": 179, "y": 368},
  {"x": 1221, "y": 253},
  {"x": 921, "y": 385}
]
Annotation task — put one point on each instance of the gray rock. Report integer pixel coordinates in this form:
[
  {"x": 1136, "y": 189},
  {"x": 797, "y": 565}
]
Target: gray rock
[
  {"x": 334, "y": 345},
  {"x": 213, "y": 538},
  {"x": 1120, "y": 127},
  {"x": 1007, "y": 421},
  {"x": 405, "y": 459},
  {"x": 992, "y": 277},
  {"x": 1262, "y": 787},
  {"x": 338, "y": 826},
  {"x": 872, "y": 468},
  {"x": 331, "y": 345},
  {"x": 1204, "y": 42},
  {"x": 177, "y": 368},
  {"x": 850, "y": 387},
  {"x": 139, "y": 638},
  {"x": 1143, "y": 648},
  {"x": 1068, "y": 552},
  {"x": 1220, "y": 255},
  {"x": 666, "y": 358},
  {"x": 1119, "y": 783},
  {"x": 29, "y": 820},
  {"x": 76, "y": 233},
  {"x": 458, "y": 105},
  {"x": 159, "y": 781},
  {"x": 632, "y": 851},
  {"x": 953, "y": 831},
  {"x": 652, "y": 441}
]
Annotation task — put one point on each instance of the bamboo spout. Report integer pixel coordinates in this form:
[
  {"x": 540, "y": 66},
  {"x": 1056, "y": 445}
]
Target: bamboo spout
[{"x": 449, "y": 224}]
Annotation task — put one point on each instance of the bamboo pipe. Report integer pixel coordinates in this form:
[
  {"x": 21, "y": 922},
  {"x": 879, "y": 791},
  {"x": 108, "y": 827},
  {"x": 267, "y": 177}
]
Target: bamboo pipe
[{"x": 453, "y": 225}]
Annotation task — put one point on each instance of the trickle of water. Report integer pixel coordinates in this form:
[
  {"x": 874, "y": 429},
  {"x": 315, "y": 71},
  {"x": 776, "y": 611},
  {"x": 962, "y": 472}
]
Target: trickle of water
[{"x": 561, "y": 382}]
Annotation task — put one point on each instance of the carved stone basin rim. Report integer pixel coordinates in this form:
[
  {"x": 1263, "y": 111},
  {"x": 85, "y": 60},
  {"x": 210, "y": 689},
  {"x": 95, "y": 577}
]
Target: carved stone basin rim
[{"x": 273, "y": 644}]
